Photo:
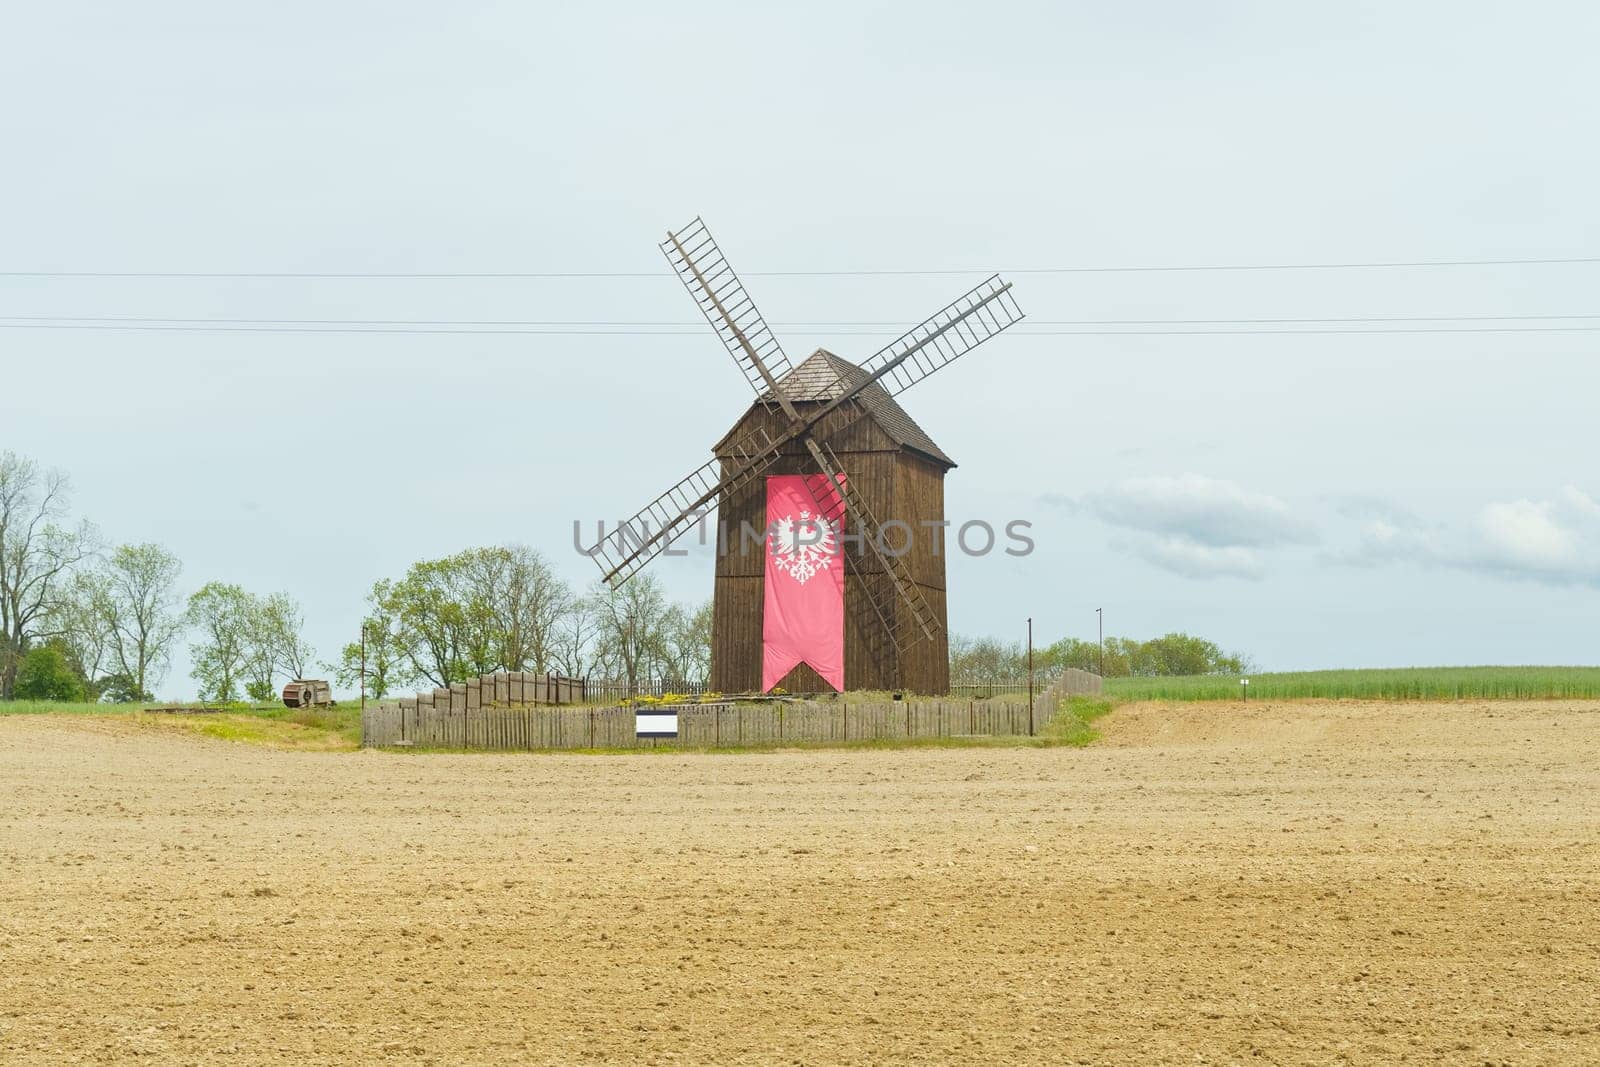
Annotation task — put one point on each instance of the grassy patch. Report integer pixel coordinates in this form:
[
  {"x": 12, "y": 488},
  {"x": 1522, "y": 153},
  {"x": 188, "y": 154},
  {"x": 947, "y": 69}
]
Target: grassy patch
[
  {"x": 342, "y": 720},
  {"x": 256, "y": 730},
  {"x": 1405, "y": 683},
  {"x": 1071, "y": 725},
  {"x": 273, "y": 725},
  {"x": 60, "y": 707}
]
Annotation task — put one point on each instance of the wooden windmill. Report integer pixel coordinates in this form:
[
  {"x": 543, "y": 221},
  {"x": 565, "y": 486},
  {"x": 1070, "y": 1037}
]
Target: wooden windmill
[{"x": 876, "y": 483}]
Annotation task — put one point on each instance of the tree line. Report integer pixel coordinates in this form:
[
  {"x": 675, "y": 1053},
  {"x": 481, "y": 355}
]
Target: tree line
[
  {"x": 504, "y": 608},
  {"x": 81, "y": 619},
  {"x": 85, "y": 620},
  {"x": 984, "y": 659}
]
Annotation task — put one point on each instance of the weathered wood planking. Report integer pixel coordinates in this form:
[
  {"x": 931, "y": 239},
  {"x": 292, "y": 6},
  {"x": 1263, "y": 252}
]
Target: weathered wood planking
[
  {"x": 899, "y": 484},
  {"x": 699, "y": 726}
]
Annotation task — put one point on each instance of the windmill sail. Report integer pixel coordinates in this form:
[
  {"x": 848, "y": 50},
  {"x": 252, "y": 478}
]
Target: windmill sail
[
  {"x": 917, "y": 619},
  {"x": 651, "y": 530},
  {"x": 952, "y": 332},
  {"x": 722, "y": 298}
]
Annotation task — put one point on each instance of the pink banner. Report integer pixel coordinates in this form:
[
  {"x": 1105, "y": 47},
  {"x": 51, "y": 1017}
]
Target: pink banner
[{"x": 803, "y": 621}]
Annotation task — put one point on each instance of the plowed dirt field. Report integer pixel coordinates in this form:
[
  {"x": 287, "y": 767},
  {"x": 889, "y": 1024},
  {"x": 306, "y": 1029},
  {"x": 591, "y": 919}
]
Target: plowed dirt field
[{"x": 1293, "y": 883}]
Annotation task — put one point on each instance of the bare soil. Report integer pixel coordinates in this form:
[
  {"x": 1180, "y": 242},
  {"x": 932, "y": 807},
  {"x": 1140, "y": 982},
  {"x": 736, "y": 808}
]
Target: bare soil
[{"x": 1289, "y": 883}]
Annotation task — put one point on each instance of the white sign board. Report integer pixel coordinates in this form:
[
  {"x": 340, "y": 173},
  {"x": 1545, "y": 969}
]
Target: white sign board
[{"x": 655, "y": 724}]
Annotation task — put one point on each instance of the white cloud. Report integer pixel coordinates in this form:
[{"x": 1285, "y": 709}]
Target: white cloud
[
  {"x": 1550, "y": 540},
  {"x": 1555, "y": 540},
  {"x": 1197, "y": 527}
]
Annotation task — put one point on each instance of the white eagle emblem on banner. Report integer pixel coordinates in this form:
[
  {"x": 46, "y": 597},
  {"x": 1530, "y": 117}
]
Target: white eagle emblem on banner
[{"x": 802, "y": 547}]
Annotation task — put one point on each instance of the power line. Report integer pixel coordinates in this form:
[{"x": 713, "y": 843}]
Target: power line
[
  {"x": 1020, "y": 332},
  {"x": 621, "y": 324},
  {"x": 519, "y": 275}
]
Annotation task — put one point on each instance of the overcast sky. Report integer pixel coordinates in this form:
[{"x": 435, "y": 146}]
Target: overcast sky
[{"x": 1314, "y": 500}]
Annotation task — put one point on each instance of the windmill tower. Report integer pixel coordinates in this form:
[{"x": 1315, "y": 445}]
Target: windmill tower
[{"x": 825, "y": 459}]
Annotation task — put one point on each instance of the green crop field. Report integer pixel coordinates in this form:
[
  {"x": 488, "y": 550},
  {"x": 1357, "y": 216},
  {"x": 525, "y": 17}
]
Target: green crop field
[{"x": 1403, "y": 683}]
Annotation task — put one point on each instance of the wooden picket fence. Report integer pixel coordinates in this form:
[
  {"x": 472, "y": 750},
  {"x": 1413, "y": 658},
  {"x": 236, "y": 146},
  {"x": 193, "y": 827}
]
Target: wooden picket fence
[
  {"x": 500, "y": 688},
  {"x": 408, "y": 724}
]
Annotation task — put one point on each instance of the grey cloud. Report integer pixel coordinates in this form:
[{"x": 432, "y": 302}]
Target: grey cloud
[
  {"x": 1371, "y": 507},
  {"x": 1200, "y": 510},
  {"x": 1188, "y": 559},
  {"x": 1197, "y": 527}
]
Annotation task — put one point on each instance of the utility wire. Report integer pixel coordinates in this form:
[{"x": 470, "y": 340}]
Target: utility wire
[
  {"x": 1022, "y": 332},
  {"x": 621, "y": 324},
  {"x": 1380, "y": 265}
]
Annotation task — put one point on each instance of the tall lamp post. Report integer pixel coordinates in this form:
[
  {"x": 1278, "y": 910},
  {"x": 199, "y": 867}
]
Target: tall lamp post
[{"x": 1100, "y": 616}]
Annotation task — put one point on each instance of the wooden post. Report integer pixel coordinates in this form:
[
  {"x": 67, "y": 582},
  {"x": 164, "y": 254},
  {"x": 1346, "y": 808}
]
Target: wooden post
[{"x": 1030, "y": 676}]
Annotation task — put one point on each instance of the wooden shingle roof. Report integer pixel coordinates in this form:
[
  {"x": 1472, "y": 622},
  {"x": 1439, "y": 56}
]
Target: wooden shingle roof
[{"x": 823, "y": 376}]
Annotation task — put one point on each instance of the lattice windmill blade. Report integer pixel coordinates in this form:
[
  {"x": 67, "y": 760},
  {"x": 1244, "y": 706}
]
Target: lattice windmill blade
[
  {"x": 722, "y": 298},
  {"x": 919, "y": 620},
  {"x": 651, "y": 530},
  {"x": 946, "y": 336}
]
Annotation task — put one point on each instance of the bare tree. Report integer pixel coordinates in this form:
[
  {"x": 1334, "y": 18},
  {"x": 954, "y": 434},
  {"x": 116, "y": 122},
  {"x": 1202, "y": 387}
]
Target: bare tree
[
  {"x": 687, "y": 646},
  {"x": 521, "y": 599},
  {"x": 36, "y": 556},
  {"x": 80, "y": 626},
  {"x": 578, "y": 645},
  {"x": 633, "y": 625}
]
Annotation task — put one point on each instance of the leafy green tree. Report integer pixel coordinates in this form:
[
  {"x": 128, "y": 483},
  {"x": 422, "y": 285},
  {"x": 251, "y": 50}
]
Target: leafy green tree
[
  {"x": 82, "y": 632},
  {"x": 37, "y": 556},
  {"x": 286, "y": 623},
  {"x": 443, "y": 634},
  {"x": 480, "y": 610},
  {"x": 384, "y": 662},
  {"x": 1069, "y": 652},
  {"x": 222, "y": 614},
  {"x": 120, "y": 689},
  {"x": 985, "y": 659},
  {"x": 45, "y": 673},
  {"x": 1170, "y": 654},
  {"x": 133, "y": 597},
  {"x": 273, "y": 644},
  {"x": 1120, "y": 655},
  {"x": 1175, "y": 654}
]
